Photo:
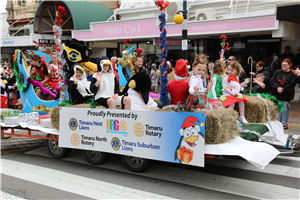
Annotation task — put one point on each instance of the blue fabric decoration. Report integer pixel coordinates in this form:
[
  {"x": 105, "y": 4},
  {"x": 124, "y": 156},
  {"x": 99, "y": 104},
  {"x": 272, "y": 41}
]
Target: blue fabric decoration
[{"x": 164, "y": 65}]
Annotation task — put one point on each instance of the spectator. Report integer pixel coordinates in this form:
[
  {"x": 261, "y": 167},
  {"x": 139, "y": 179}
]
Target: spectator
[
  {"x": 153, "y": 78},
  {"x": 286, "y": 54},
  {"x": 265, "y": 70},
  {"x": 283, "y": 88},
  {"x": 297, "y": 60},
  {"x": 274, "y": 64},
  {"x": 242, "y": 75}
]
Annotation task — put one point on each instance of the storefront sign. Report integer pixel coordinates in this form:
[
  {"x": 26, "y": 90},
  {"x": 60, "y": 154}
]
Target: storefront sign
[
  {"x": 148, "y": 28},
  {"x": 172, "y": 137},
  {"x": 46, "y": 41},
  {"x": 8, "y": 42}
]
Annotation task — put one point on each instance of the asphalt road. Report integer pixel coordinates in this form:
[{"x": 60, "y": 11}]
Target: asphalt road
[{"x": 36, "y": 175}]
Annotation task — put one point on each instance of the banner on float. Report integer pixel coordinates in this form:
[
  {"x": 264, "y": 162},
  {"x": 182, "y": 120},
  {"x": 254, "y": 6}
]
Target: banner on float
[{"x": 166, "y": 136}]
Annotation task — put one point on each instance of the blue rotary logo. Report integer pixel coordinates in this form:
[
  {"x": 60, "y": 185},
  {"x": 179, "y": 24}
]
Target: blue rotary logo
[
  {"x": 73, "y": 124},
  {"x": 115, "y": 143}
]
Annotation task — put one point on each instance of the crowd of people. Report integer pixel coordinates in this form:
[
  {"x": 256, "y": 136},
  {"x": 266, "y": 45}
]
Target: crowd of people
[{"x": 204, "y": 81}]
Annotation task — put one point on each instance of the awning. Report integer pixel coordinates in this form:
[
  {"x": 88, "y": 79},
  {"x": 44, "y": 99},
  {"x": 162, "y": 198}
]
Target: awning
[
  {"x": 289, "y": 13},
  {"x": 79, "y": 15}
]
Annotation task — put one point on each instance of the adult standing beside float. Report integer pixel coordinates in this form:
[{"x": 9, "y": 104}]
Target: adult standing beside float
[
  {"x": 296, "y": 62},
  {"x": 265, "y": 70},
  {"x": 283, "y": 88}
]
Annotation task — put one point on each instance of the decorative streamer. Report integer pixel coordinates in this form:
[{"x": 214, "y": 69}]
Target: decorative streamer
[
  {"x": 163, "y": 42},
  {"x": 268, "y": 117},
  {"x": 36, "y": 83},
  {"x": 59, "y": 50},
  {"x": 19, "y": 84},
  {"x": 279, "y": 105}
]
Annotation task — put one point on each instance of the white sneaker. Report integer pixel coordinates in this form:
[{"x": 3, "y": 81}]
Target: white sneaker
[{"x": 243, "y": 119}]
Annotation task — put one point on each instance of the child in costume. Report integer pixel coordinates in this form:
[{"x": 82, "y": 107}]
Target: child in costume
[
  {"x": 138, "y": 62},
  {"x": 179, "y": 88},
  {"x": 52, "y": 69},
  {"x": 199, "y": 74},
  {"x": 105, "y": 87},
  {"x": 40, "y": 73},
  {"x": 216, "y": 80},
  {"x": 196, "y": 87},
  {"x": 232, "y": 88},
  {"x": 77, "y": 86}
]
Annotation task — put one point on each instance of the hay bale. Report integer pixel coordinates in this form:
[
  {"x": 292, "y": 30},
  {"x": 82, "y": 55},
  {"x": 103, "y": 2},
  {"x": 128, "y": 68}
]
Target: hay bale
[
  {"x": 255, "y": 110},
  {"x": 221, "y": 126},
  {"x": 54, "y": 114}
]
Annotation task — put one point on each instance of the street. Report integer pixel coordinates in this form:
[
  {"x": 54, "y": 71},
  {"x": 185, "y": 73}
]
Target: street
[{"x": 36, "y": 175}]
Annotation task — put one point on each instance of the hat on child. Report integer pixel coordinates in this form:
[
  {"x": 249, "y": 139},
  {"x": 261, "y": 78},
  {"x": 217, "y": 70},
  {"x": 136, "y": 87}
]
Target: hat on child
[
  {"x": 181, "y": 69},
  {"x": 153, "y": 65}
]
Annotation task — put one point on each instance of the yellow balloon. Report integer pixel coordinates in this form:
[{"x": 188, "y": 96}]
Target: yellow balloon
[
  {"x": 178, "y": 19},
  {"x": 202, "y": 124}
]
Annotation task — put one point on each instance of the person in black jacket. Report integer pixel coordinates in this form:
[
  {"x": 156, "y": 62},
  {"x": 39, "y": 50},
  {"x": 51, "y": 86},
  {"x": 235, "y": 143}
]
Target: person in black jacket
[
  {"x": 77, "y": 86},
  {"x": 283, "y": 88},
  {"x": 262, "y": 69}
]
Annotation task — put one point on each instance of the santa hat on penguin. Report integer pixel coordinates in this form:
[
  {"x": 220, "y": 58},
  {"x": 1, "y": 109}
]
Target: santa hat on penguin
[{"x": 190, "y": 122}]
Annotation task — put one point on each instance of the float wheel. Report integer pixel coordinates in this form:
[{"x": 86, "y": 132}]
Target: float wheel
[
  {"x": 136, "y": 164},
  {"x": 54, "y": 150},
  {"x": 96, "y": 157}
]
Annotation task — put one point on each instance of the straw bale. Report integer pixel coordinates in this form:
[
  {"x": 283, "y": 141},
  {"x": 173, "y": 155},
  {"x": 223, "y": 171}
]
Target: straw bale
[
  {"x": 221, "y": 126},
  {"x": 255, "y": 110},
  {"x": 54, "y": 114}
]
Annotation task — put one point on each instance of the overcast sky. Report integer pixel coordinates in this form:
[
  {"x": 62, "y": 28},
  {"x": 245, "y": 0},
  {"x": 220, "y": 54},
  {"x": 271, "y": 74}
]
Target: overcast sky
[{"x": 3, "y": 5}]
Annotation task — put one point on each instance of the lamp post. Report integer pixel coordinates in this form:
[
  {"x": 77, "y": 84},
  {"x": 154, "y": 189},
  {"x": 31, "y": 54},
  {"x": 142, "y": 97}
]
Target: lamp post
[
  {"x": 178, "y": 19},
  {"x": 184, "y": 33}
]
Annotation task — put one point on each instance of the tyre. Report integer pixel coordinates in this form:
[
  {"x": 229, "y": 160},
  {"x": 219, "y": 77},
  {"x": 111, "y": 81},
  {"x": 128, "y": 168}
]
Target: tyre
[
  {"x": 96, "y": 157},
  {"x": 136, "y": 164},
  {"x": 54, "y": 150}
]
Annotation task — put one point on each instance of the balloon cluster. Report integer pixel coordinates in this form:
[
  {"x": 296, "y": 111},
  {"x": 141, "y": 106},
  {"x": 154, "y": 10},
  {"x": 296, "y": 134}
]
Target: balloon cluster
[{"x": 162, "y": 4}]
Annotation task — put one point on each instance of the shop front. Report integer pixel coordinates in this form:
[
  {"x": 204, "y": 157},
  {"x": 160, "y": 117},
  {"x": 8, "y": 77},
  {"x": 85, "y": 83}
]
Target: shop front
[{"x": 246, "y": 36}]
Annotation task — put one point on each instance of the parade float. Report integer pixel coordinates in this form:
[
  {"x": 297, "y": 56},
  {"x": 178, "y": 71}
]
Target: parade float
[{"x": 171, "y": 133}]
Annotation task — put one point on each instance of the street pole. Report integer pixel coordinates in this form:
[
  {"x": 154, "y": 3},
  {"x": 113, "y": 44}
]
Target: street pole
[{"x": 184, "y": 32}]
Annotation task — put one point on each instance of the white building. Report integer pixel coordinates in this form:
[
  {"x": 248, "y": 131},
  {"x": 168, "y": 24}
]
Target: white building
[{"x": 256, "y": 28}]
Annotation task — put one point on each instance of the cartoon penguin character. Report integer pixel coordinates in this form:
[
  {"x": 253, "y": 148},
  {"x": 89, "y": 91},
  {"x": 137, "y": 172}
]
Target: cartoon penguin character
[
  {"x": 137, "y": 89},
  {"x": 74, "y": 52},
  {"x": 192, "y": 141}
]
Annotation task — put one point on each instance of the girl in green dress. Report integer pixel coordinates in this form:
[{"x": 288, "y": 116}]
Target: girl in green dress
[{"x": 216, "y": 88}]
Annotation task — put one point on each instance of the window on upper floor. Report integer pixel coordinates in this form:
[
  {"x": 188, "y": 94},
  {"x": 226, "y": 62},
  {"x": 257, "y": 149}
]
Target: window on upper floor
[{"x": 22, "y": 2}]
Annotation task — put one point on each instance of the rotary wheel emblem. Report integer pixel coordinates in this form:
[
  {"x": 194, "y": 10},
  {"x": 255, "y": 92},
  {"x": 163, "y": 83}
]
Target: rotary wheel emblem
[{"x": 139, "y": 129}]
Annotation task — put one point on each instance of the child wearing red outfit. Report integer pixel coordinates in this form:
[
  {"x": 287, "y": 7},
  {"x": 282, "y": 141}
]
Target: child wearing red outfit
[
  {"x": 40, "y": 73},
  {"x": 179, "y": 88},
  {"x": 52, "y": 69}
]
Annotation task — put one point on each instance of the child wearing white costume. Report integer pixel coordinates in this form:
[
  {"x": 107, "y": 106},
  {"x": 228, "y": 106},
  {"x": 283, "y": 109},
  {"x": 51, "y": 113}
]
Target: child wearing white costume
[{"x": 105, "y": 87}]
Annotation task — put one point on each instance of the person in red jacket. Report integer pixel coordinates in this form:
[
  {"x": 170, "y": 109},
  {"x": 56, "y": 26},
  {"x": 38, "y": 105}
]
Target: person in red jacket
[
  {"x": 283, "y": 85},
  {"x": 179, "y": 88}
]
